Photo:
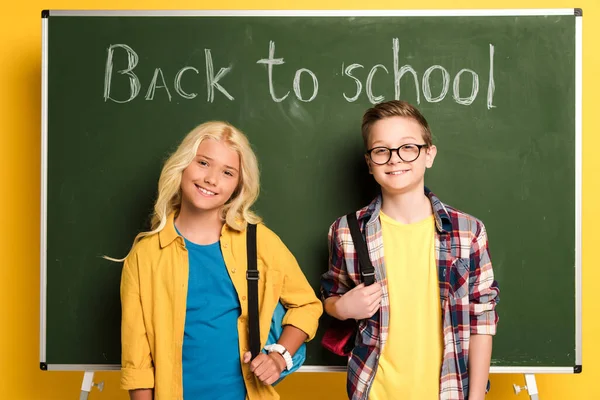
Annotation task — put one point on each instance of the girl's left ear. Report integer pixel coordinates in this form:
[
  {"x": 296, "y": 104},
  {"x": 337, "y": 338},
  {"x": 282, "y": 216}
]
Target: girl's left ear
[{"x": 431, "y": 153}]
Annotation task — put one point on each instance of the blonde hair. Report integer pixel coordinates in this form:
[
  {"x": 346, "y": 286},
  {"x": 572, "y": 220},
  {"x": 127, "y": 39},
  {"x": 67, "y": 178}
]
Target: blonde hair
[{"x": 236, "y": 212}]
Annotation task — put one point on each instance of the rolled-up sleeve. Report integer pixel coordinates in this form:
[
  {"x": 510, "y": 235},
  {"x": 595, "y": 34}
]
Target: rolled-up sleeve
[
  {"x": 483, "y": 289},
  {"x": 303, "y": 307},
  {"x": 335, "y": 282},
  {"x": 137, "y": 369}
]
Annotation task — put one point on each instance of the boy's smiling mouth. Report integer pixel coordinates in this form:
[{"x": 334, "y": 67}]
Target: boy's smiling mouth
[{"x": 399, "y": 172}]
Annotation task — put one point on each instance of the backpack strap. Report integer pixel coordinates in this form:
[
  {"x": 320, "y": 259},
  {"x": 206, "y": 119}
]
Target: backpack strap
[
  {"x": 366, "y": 267},
  {"x": 252, "y": 279}
]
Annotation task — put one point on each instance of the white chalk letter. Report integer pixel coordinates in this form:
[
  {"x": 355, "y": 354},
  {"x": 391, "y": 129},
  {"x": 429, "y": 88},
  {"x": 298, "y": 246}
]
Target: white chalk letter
[
  {"x": 270, "y": 62},
  {"x": 297, "y": 84},
  {"x": 369, "y": 90},
  {"x": 348, "y": 71},
  {"x": 134, "y": 82},
  {"x": 427, "y": 87},
  {"x": 456, "y": 88},
  {"x": 177, "y": 83},
  {"x": 212, "y": 81},
  {"x": 491, "y": 83},
  {"x": 399, "y": 72},
  {"x": 153, "y": 85}
]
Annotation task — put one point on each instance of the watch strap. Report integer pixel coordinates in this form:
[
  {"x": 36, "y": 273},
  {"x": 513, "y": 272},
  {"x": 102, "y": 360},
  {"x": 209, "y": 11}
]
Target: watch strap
[{"x": 277, "y": 348}]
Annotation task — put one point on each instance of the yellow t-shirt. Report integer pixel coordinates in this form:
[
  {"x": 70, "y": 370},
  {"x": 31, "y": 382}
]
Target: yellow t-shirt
[{"x": 409, "y": 366}]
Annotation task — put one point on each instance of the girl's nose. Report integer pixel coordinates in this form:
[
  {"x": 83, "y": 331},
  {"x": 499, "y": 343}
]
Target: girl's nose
[{"x": 210, "y": 179}]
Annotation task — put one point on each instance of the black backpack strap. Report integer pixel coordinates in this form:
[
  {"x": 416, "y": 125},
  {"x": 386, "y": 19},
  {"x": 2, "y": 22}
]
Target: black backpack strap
[
  {"x": 366, "y": 267},
  {"x": 252, "y": 279}
]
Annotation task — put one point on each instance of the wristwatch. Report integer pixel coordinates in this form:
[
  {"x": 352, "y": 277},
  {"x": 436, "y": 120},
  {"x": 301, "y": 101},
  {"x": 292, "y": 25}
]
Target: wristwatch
[{"x": 277, "y": 348}]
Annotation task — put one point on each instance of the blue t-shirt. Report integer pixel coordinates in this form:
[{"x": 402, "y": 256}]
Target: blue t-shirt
[{"x": 211, "y": 355}]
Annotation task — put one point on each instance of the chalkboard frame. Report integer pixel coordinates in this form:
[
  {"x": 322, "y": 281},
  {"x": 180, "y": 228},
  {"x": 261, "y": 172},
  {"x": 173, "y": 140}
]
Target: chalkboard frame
[{"x": 315, "y": 13}]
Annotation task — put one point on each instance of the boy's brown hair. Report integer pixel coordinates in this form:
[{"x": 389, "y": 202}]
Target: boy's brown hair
[{"x": 394, "y": 108}]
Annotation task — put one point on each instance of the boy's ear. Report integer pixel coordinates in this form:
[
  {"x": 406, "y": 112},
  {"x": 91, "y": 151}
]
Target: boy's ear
[
  {"x": 430, "y": 156},
  {"x": 368, "y": 161}
]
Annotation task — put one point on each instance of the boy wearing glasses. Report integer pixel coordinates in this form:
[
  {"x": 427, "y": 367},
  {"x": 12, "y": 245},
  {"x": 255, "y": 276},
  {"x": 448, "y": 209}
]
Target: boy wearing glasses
[{"x": 426, "y": 325}]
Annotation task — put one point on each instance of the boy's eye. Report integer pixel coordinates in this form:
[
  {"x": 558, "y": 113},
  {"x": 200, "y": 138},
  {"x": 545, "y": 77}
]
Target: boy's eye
[
  {"x": 381, "y": 150},
  {"x": 409, "y": 147}
]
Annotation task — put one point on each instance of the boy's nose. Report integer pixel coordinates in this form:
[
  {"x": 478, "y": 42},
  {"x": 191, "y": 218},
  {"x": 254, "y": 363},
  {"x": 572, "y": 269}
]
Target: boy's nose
[{"x": 395, "y": 158}]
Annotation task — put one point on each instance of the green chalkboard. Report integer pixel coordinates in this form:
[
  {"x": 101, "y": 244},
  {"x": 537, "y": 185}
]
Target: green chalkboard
[{"x": 499, "y": 91}]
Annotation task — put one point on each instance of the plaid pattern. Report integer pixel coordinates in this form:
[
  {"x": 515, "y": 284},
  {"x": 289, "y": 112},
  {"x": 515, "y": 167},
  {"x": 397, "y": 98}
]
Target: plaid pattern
[{"x": 468, "y": 292}]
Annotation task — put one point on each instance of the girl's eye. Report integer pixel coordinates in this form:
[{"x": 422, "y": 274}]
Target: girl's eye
[
  {"x": 203, "y": 163},
  {"x": 229, "y": 173}
]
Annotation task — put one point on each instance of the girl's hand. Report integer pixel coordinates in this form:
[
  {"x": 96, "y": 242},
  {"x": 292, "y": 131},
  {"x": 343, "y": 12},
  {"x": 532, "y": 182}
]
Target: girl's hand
[{"x": 267, "y": 368}]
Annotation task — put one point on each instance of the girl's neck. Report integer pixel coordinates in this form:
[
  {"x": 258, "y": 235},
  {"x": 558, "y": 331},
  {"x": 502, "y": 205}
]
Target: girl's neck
[
  {"x": 199, "y": 226},
  {"x": 407, "y": 208}
]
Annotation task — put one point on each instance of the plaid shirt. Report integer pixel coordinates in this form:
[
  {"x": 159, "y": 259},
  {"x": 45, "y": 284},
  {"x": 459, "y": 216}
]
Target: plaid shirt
[{"x": 468, "y": 293}]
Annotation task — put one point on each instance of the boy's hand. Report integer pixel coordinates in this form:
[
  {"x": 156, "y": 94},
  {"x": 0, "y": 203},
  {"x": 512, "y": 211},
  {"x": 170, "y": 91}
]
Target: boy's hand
[
  {"x": 361, "y": 302},
  {"x": 266, "y": 367}
]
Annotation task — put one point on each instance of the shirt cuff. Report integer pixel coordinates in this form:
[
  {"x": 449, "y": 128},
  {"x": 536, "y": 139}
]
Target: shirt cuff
[
  {"x": 484, "y": 324},
  {"x": 132, "y": 378},
  {"x": 304, "y": 319}
]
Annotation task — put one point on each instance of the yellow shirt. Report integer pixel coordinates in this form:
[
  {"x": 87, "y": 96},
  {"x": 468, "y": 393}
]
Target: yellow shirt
[
  {"x": 410, "y": 363},
  {"x": 153, "y": 300}
]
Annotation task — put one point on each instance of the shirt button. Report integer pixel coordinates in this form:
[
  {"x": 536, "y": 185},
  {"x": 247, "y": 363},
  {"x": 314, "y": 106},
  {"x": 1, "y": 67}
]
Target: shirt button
[
  {"x": 244, "y": 298},
  {"x": 225, "y": 245},
  {"x": 233, "y": 270}
]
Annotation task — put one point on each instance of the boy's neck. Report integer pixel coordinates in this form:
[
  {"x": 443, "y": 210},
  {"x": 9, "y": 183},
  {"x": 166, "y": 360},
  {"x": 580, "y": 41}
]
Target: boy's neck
[
  {"x": 407, "y": 208},
  {"x": 198, "y": 226}
]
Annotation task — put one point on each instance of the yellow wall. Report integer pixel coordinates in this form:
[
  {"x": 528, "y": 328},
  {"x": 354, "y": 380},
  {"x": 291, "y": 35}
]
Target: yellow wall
[{"x": 20, "y": 52}]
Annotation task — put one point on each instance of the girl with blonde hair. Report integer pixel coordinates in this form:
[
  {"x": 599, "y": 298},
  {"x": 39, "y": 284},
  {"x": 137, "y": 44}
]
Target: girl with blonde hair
[{"x": 183, "y": 286}]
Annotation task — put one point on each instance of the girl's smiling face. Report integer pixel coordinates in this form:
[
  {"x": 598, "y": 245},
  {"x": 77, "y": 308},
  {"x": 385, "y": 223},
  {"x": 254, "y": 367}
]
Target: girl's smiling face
[{"x": 211, "y": 178}]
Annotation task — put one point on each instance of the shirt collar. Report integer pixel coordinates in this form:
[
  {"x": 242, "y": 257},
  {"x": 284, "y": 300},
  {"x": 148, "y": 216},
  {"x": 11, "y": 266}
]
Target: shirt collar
[
  {"x": 168, "y": 234},
  {"x": 443, "y": 222}
]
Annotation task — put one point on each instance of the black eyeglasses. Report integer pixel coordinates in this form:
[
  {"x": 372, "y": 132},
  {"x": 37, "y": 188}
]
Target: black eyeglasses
[{"x": 407, "y": 152}]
